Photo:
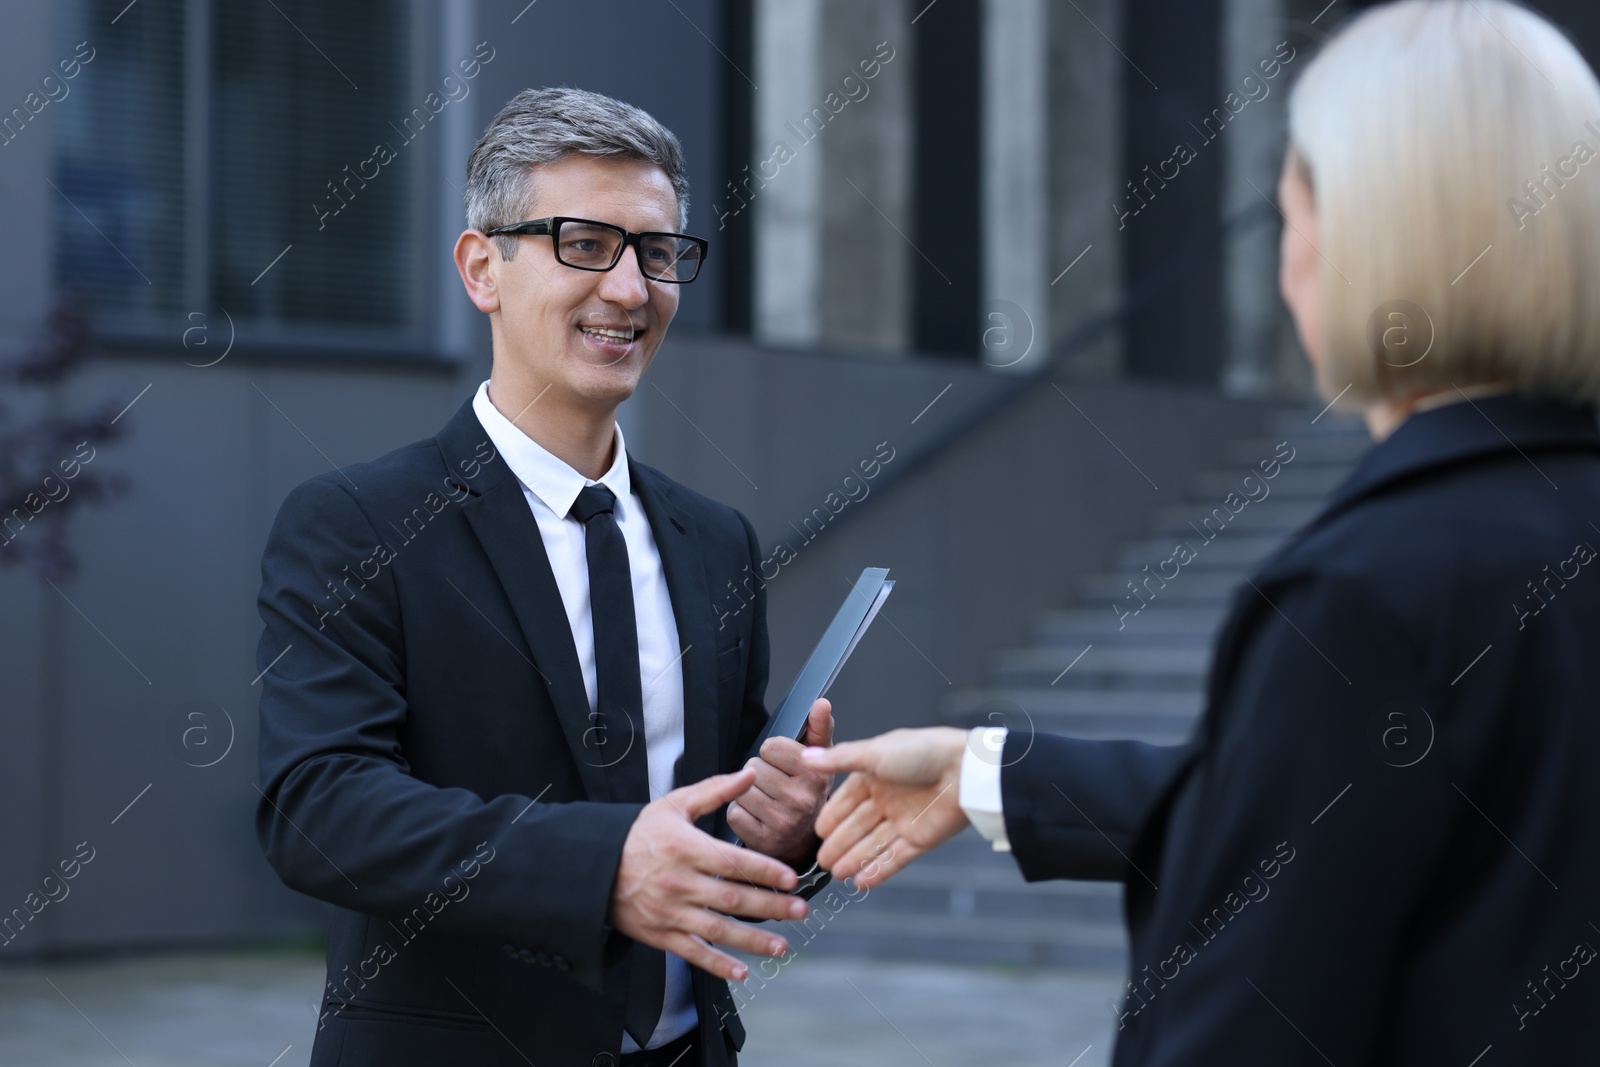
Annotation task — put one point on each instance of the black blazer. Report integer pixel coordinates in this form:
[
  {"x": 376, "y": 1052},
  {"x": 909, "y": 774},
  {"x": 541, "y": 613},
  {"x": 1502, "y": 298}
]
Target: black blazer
[
  {"x": 423, "y": 761},
  {"x": 1381, "y": 845}
]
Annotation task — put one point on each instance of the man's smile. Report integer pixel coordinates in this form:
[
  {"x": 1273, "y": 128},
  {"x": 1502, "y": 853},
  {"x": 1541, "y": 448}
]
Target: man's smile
[{"x": 618, "y": 340}]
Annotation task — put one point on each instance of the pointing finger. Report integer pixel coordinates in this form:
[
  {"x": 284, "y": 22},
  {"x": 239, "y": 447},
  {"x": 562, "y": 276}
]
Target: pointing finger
[{"x": 843, "y": 757}]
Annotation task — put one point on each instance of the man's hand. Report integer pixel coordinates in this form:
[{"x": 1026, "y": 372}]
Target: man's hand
[
  {"x": 673, "y": 879},
  {"x": 776, "y": 817},
  {"x": 901, "y": 800}
]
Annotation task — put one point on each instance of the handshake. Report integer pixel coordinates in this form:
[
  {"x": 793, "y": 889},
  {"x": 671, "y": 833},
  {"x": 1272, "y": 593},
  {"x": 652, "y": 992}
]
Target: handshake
[{"x": 676, "y": 887}]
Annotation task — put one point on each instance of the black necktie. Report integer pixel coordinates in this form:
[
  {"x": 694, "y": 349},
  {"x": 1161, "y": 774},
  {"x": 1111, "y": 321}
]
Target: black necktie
[{"x": 619, "y": 713}]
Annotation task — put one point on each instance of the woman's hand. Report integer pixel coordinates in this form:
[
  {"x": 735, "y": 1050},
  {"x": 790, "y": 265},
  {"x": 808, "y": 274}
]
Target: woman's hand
[{"x": 901, "y": 800}]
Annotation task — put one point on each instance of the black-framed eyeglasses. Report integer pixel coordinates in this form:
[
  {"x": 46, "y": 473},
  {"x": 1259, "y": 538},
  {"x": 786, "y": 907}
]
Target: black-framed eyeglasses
[{"x": 598, "y": 246}]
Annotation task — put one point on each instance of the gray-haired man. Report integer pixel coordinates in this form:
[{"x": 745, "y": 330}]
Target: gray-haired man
[{"x": 502, "y": 746}]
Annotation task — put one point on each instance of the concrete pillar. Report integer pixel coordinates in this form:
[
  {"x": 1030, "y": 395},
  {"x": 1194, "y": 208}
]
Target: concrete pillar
[
  {"x": 1085, "y": 158},
  {"x": 456, "y": 328},
  {"x": 1260, "y": 355},
  {"x": 865, "y": 283},
  {"x": 1017, "y": 224},
  {"x": 831, "y": 181},
  {"x": 786, "y": 184}
]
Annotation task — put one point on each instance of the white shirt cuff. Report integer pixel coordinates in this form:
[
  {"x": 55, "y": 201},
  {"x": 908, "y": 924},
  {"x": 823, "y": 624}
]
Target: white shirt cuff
[{"x": 979, "y": 793}]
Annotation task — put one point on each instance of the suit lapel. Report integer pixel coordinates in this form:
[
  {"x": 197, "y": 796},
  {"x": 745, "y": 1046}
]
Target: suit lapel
[
  {"x": 678, "y": 541},
  {"x": 509, "y": 534},
  {"x": 499, "y": 516}
]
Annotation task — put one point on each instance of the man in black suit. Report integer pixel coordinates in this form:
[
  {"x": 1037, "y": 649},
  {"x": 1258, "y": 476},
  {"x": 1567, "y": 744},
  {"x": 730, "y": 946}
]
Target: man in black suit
[{"x": 494, "y": 654}]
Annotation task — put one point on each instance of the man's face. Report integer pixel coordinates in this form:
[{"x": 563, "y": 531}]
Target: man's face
[{"x": 587, "y": 335}]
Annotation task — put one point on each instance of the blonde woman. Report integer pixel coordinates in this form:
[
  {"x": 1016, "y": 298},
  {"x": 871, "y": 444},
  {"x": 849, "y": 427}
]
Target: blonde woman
[{"x": 1382, "y": 845}]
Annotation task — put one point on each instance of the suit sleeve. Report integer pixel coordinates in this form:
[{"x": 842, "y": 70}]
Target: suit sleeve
[
  {"x": 341, "y": 818},
  {"x": 1301, "y": 852},
  {"x": 1073, "y": 807}
]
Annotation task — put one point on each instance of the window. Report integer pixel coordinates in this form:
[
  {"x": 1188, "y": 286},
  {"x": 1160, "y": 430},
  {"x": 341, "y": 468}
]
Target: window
[{"x": 222, "y": 154}]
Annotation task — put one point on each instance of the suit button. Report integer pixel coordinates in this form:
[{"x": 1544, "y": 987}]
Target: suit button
[
  {"x": 543, "y": 958},
  {"x": 509, "y": 949},
  {"x": 524, "y": 955},
  {"x": 605, "y": 1059},
  {"x": 562, "y": 964}
]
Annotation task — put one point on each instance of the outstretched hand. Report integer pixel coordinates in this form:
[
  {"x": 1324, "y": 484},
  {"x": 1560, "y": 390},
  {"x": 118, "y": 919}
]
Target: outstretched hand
[
  {"x": 901, "y": 800},
  {"x": 673, "y": 880}
]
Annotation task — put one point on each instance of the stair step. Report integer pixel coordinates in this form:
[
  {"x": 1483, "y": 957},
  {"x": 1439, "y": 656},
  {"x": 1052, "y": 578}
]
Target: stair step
[
  {"x": 1297, "y": 424},
  {"x": 978, "y": 701},
  {"x": 1161, "y": 618},
  {"x": 973, "y": 939},
  {"x": 967, "y": 849},
  {"x": 994, "y": 893},
  {"x": 1198, "y": 588},
  {"x": 1226, "y": 548},
  {"x": 1269, "y": 517},
  {"x": 1346, "y": 448},
  {"x": 1294, "y": 482},
  {"x": 1112, "y": 667},
  {"x": 1159, "y": 717},
  {"x": 1112, "y": 682},
  {"x": 1065, "y": 642}
]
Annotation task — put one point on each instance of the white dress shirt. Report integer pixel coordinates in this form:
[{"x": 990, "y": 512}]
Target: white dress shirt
[
  {"x": 979, "y": 791},
  {"x": 551, "y": 487}
]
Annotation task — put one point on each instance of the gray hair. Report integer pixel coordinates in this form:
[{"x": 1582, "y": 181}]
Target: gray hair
[{"x": 541, "y": 126}]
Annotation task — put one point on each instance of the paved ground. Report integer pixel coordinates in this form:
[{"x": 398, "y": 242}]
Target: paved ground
[{"x": 243, "y": 1009}]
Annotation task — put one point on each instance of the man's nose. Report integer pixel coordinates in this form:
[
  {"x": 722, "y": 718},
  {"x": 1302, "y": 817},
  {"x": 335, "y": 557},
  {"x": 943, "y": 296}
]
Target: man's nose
[{"x": 625, "y": 284}]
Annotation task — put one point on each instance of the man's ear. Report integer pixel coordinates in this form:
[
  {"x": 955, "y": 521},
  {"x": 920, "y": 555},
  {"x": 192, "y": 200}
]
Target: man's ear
[{"x": 475, "y": 262}]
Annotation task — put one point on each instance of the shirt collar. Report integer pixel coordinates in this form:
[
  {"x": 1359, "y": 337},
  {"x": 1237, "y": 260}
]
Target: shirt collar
[{"x": 541, "y": 473}]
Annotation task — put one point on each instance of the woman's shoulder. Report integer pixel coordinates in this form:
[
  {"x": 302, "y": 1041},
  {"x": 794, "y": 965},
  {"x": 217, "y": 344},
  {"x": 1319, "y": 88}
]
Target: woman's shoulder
[{"x": 1474, "y": 541}]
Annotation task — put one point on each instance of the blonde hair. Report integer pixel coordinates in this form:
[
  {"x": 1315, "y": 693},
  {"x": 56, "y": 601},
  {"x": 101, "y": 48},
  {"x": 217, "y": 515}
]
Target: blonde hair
[{"x": 1432, "y": 131}]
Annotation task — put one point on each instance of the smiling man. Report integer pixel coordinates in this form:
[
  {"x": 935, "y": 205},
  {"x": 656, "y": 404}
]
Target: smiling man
[{"x": 505, "y": 734}]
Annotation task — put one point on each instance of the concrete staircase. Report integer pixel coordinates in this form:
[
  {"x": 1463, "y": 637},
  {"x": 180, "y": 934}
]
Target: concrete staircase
[{"x": 1086, "y": 675}]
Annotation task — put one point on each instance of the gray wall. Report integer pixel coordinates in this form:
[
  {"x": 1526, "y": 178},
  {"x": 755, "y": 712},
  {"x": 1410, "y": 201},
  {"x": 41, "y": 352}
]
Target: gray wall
[
  {"x": 161, "y": 618},
  {"x": 980, "y": 536}
]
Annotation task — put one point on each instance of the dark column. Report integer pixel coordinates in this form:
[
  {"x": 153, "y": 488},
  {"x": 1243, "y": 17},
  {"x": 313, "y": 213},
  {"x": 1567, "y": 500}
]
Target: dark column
[
  {"x": 733, "y": 237},
  {"x": 1172, "y": 240},
  {"x": 948, "y": 259}
]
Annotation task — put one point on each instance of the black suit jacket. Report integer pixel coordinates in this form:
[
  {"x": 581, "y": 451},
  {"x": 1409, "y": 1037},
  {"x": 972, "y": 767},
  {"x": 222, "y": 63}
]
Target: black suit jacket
[
  {"x": 424, "y": 766},
  {"x": 1381, "y": 845}
]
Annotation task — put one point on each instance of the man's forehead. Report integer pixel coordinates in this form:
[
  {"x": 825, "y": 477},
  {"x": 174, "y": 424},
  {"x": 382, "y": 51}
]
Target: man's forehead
[{"x": 576, "y": 184}]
